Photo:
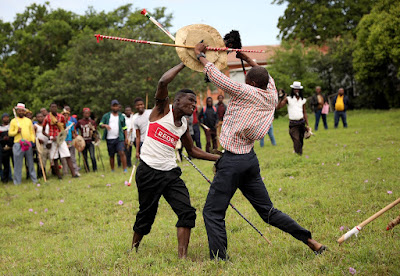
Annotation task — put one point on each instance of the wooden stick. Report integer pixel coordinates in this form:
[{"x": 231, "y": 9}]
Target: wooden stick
[
  {"x": 358, "y": 228},
  {"x": 203, "y": 125},
  {"x": 133, "y": 171},
  {"x": 41, "y": 166},
  {"x": 393, "y": 223},
  {"x": 223, "y": 49}
]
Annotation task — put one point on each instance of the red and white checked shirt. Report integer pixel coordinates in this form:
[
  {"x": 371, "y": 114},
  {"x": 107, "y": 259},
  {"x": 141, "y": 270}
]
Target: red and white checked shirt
[
  {"x": 53, "y": 129},
  {"x": 249, "y": 114}
]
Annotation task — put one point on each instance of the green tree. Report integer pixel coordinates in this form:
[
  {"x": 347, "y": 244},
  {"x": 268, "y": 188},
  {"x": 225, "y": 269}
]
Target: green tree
[
  {"x": 95, "y": 73},
  {"x": 317, "y": 21},
  {"x": 377, "y": 55},
  {"x": 294, "y": 62}
]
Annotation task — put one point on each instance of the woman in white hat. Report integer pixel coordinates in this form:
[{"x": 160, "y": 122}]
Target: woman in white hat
[{"x": 298, "y": 122}]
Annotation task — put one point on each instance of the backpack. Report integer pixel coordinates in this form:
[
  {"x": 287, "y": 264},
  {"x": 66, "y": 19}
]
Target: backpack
[{"x": 205, "y": 108}]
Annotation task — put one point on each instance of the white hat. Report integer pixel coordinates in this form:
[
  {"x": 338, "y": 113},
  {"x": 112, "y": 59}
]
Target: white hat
[
  {"x": 20, "y": 106},
  {"x": 296, "y": 85}
]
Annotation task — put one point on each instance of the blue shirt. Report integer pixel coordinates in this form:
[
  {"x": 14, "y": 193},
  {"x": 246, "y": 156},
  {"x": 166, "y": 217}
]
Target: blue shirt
[{"x": 69, "y": 135}]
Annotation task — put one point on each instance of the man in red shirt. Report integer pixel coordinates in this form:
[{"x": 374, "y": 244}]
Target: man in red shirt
[
  {"x": 221, "y": 109},
  {"x": 196, "y": 129},
  {"x": 86, "y": 127},
  {"x": 248, "y": 118},
  {"x": 57, "y": 123}
]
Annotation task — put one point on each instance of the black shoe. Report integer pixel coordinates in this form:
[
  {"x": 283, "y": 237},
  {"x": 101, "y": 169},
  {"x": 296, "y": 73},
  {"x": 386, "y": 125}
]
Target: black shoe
[{"x": 75, "y": 176}]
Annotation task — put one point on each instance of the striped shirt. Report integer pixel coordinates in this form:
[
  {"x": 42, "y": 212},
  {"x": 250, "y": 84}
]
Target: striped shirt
[{"x": 249, "y": 114}]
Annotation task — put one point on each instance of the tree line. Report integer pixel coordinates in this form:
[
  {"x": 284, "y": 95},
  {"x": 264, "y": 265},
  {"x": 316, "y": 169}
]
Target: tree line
[
  {"x": 341, "y": 43},
  {"x": 52, "y": 56}
]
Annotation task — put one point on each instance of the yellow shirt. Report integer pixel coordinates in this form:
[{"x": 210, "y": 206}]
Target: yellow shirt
[
  {"x": 339, "y": 105},
  {"x": 27, "y": 131}
]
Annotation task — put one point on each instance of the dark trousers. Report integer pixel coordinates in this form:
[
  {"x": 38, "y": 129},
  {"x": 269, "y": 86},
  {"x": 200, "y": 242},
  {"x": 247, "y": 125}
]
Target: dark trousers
[
  {"x": 296, "y": 131},
  {"x": 241, "y": 171},
  {"x": 211, "y": 135},
  {"x": 318, "y": 115},
  {"x": 196, "y": 135},
  {"x": 89, "y": 147},
  {"x": 152, "y": 184},
  {"x": 338, "y": 115},
  {"x": 5, "y": 157},
  {"x": 128, "y": 153}
]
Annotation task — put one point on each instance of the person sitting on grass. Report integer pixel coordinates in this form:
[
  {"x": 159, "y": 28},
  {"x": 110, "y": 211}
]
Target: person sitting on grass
[
  {"x": 158, "y": 174},
  {"x": 248, "y": 117}
]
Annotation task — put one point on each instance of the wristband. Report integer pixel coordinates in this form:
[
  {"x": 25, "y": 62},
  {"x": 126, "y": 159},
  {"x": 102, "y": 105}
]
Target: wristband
[{"x": 200, "y": 55}]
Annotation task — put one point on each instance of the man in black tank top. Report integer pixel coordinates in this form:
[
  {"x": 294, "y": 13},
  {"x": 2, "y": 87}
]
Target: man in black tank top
[{"x": 153, "y": 183}]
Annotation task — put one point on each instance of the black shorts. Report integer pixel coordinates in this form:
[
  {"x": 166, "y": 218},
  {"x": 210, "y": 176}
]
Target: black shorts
[
  {"x": 114, "y": 146},
  {"x": 152, "y": 184}
]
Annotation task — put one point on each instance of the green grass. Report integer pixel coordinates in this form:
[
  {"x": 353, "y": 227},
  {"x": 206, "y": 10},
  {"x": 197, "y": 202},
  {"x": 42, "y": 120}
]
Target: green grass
[{"x": 90, "y": 233}]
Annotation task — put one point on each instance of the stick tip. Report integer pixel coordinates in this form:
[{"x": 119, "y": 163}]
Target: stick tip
[{"x": 143, "y": 12}]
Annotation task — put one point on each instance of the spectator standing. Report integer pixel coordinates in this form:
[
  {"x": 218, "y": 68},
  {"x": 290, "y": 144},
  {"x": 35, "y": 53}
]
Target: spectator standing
[
  {"x": 115, "y": 134},
  {"x": 318, "y": 101},
  {"x": 129, "y": 122},
  {"x": 21, "y": 128},
  {"x": 208, "y": 116},
  {"x": 341, "y": 103},
  {"x": 221, "y": 109},
  {"x": 141, "y": 124},
  {"x": 196, "y": 129},
  {"x": 70, "y": 135},
  {"x": 298, "y": 121},
  {"x": 43, "y": 142},
  {"x": 86, "y": 126},
  {"x": 57, "y": 123},
  {"x": 6, "y": 144}
]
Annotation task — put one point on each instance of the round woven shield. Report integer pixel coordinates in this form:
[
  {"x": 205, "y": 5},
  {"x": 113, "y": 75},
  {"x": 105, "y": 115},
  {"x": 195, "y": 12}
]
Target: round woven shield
[{"x": 191, "y": 35}]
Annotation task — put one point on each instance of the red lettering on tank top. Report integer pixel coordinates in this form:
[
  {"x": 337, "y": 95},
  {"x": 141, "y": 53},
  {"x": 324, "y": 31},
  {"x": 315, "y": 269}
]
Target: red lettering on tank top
[{"x": 162, "y": 135}]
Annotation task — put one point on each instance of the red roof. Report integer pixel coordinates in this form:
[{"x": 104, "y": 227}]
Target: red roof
[{"x": 260, "y": 58}]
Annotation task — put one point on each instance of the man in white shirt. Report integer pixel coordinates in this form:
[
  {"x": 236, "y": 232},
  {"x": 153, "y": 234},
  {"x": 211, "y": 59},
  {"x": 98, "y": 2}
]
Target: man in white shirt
[
  {"x": 129, "y": 122},
  {"x": 298, "y": 121},
  {"x": 141, "y": 124},
  {"x": 115, "y": 134}
]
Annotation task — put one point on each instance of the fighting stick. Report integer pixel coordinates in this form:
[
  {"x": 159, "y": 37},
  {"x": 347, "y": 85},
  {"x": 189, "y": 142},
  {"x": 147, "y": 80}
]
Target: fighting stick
[
  {"x": 133, "y": 171},
  {"x": 234, "y": 208},
  {"x": 393, "y": 223},
  {"x": 223, "y": 49},
  {"x": 158, "y": 24},
  {"x": 358, "y": 228}
]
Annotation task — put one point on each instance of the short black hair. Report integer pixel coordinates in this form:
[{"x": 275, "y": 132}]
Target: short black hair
[
  {"x": 138, "y": 99},
  {"x": 53, "y": 103},
  {"x": 39, "y": 113},
  {"x": 183, "y": 92},
  {"x": 128, "y": 107},
  {"x": 259, "y": 75}
]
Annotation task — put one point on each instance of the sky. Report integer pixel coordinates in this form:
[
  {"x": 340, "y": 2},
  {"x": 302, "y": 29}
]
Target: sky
[{"x": 255, "y": 20}]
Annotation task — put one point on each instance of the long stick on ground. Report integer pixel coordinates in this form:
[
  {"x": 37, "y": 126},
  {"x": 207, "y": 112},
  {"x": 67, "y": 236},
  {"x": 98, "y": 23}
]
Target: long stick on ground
[
  {"x": 223, "y": 49},
  {"x": 234, "y": 208},
  {"x": 358, "y": 228}
]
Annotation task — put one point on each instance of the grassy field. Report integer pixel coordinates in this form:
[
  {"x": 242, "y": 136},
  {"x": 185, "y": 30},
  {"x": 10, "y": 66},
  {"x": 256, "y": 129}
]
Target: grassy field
[{"x": 77, "y": 226}]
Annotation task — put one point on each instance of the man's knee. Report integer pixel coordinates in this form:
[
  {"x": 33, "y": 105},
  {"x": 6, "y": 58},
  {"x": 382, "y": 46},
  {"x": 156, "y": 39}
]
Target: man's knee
[{"x": 187, "y": 218}]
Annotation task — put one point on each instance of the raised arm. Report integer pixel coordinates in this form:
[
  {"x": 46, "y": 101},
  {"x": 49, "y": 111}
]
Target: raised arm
[
  {"x": 246, "y": 58},
  {"x": 161, "y": 97},
  {"x": 282, "y": 103}
]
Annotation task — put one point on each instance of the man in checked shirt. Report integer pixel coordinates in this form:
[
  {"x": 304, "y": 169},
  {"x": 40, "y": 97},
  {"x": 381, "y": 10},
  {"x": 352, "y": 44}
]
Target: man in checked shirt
[{"x": 248, "y": 117}]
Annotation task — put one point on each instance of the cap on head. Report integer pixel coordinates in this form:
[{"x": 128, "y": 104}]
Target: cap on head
[
  {"x": 296, "y": 85},
  {"x": 114, "y": 102},
  {"x": 87, "y": 109},
  {"x": 20, "y": 106},
  {"x": 4, "y": 115}
]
